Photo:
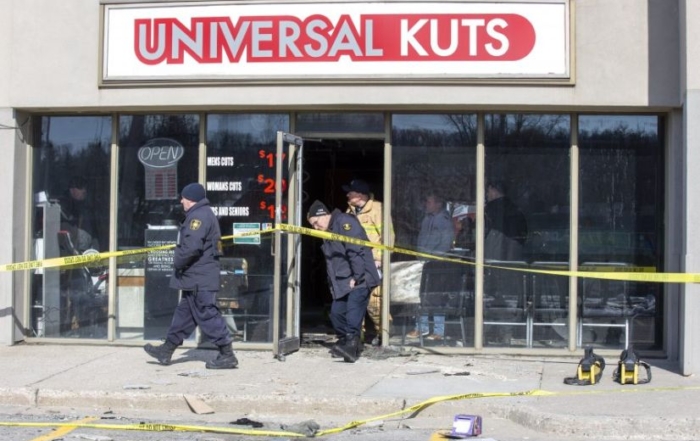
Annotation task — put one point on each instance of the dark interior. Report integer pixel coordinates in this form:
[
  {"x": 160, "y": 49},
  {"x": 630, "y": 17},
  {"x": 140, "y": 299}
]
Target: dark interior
[{"x": 328, "y": 165}]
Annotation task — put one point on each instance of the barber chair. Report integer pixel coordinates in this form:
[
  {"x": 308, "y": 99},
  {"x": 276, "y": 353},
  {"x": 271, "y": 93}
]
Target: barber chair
[
  {"x": 507, "y": 318},
  {"x": 605, "y": 308},
  {"x": 447, "y": 289},
  {"x": 82, "y": 309}
]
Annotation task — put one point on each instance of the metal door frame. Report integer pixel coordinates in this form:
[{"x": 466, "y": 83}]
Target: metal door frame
[
  {"x": 386, "y": 182},
  {"x": 290, "y": 147}
]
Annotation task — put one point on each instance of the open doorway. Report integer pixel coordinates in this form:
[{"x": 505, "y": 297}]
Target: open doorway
[{"x": 328, "y": 165}]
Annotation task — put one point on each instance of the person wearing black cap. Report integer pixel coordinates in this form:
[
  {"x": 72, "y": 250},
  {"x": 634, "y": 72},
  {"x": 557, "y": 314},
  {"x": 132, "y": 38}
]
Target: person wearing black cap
[
  {"x": 362, "y": 204},
  {"x": 197, "y": 274},
  {"x": 352, "y": 274},
  {"x": 78, "y": 215}
]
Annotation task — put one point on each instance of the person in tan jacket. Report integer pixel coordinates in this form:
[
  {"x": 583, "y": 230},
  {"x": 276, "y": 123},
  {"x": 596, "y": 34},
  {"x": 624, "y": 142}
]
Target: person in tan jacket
[{"x": 369, "y": 212}]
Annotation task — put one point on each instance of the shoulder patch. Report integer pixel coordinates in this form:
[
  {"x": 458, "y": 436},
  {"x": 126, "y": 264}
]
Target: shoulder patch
[
  {"x": 347, "y": 227},
  {"x": 195, "y": 224}
]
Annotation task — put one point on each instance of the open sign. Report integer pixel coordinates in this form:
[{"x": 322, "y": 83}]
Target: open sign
[{"x": 161, "y": 153}]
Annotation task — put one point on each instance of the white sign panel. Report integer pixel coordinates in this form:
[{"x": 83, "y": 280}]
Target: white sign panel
[
  {"x": 224, "y": 41},
  {"x": 246, "y": 228}
]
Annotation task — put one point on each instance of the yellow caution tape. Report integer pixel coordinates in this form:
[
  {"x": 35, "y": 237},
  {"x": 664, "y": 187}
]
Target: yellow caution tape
[
  {"x": 631, "y": 274},
  {"x": 88, "y": 259},
  {"x": 413, "y": 410},
  {"x": 621, "y": 273},
  {"x": 154, "y": 427},
  {"x": 60, "y": 432}
]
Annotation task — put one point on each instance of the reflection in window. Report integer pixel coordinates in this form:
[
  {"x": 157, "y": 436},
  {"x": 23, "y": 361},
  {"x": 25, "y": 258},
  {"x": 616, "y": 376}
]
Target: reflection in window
[
  {"x": 621, "y": 226},
  {"x": 158, "y": 156},
  {"x": 526, "y": 224},
  {"x": 527, "y": 156},
  {"x": 433, "y": 178},
  {"x": 71, "y": 175},
  {"x": 241, "y": 167},
  {"x": 340, "y": 123},
  {"x": 432, "y": 154}
]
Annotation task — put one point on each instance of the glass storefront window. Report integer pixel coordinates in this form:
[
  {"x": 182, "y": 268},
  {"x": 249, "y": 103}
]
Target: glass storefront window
[
  {"x": 158, "y": 155},
  {"x": 621, "y": 209},
  {"x": 71, "y": 176},
  {"x": 526, "y": 226},
  {"x": 316, "y": 122},
  {"x": 241, "y": 165},
  {"x": 621, "y": 228},
  {"x": 434, "y": 179}
]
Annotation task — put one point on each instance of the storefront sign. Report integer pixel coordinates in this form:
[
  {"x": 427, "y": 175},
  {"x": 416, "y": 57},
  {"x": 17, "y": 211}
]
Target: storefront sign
[
  {"x": 246, "y": 228},
  {"x": 160, "y": 299},
  {"x": 224, "y": 41},
  {"x": 161, "y": 153},
  {"x": 159, "y": 157}
]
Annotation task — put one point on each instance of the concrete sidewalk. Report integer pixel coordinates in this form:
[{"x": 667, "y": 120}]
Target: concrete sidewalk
[{"x": 312, "y": 385}]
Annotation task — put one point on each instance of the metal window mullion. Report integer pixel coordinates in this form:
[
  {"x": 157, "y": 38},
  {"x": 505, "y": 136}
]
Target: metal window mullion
[
  {"x": 202, "y": 149},
  {"x": 114, "y": 204},
  {"x": 202, "y": 173},
  {"x": 479, "y": 269},
  {"x": 29, "y": 216},
  {"x": 573, "y": 233},
  {"x": 386, "y": 232}
]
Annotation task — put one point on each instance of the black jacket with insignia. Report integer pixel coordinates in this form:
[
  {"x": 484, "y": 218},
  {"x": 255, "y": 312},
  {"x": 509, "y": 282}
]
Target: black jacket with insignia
[
  {"x": 346, "y": 261},
  {"x": 196, "y": 258}
]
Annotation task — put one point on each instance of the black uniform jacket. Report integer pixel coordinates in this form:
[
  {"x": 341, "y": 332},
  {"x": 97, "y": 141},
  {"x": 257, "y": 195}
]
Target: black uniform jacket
[
  {"x": 196, "y": 258},
  {"x": 346, "y": 261}
]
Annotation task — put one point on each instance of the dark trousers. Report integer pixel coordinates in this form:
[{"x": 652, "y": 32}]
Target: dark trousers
[
  {"x": 198, "y": 309},
  {"x": 348, "y": 312}
]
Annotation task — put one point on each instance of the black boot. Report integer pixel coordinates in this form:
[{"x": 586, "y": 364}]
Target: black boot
[
  {"x": 163, "y": 353},
  {"x": 360, "y": 348},
  {"x": 349, "y": 351},
  {"x": 225, "y": 360},
  {"x": 334, "y": 349}
]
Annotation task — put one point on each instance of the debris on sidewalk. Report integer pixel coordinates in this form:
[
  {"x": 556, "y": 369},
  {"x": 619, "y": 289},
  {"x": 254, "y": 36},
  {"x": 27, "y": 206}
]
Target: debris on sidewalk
[
  {"x": 247, "y": 422},
  {"x": 457, "y": 374},
  {"x": 109, "y": 415},
  {"x": 308, "y": 428},
  {"x": 93, "y": 437},
  {"x": 385, "y": 352},
  {"x": 310, "y": 339},
  {"x": 423, "y": 372},
  {"x": 198, "y": 406},
  {"x": 194, "y": 374}
]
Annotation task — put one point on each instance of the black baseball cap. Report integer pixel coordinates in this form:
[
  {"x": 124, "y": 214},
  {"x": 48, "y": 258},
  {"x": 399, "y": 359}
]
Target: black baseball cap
[
  {"x": 317, "y": 208},
  {"x": 358, "y": 186}
]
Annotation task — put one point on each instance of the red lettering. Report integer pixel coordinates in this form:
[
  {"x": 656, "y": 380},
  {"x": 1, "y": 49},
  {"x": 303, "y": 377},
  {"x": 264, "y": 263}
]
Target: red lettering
[{"x": 380, "y": 37}]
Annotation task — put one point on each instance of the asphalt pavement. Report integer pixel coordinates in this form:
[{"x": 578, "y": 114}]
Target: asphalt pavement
[{"x": 386, "y": 383}]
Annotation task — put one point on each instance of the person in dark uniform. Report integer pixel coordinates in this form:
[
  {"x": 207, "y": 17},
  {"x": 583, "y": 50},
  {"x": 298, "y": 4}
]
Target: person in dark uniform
[
  {"x": 78, "y": 216},
  {"x": 197, "y": 274},
  {"x": 352, "y": 274},
  {"x": 505, "y": 225}
]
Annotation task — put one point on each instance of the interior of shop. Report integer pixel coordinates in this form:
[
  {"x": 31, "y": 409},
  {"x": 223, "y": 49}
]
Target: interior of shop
[{"x": 328, "y": 165}]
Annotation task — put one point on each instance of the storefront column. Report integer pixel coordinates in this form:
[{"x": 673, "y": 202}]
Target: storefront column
[
  {"x": 10, "y": 313},
  {"x": 689, "y": 315},
  {"x": 674, "y": 252},
  {"x": 690, "y": 296},
  {"x": 6, "y": 144}
]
